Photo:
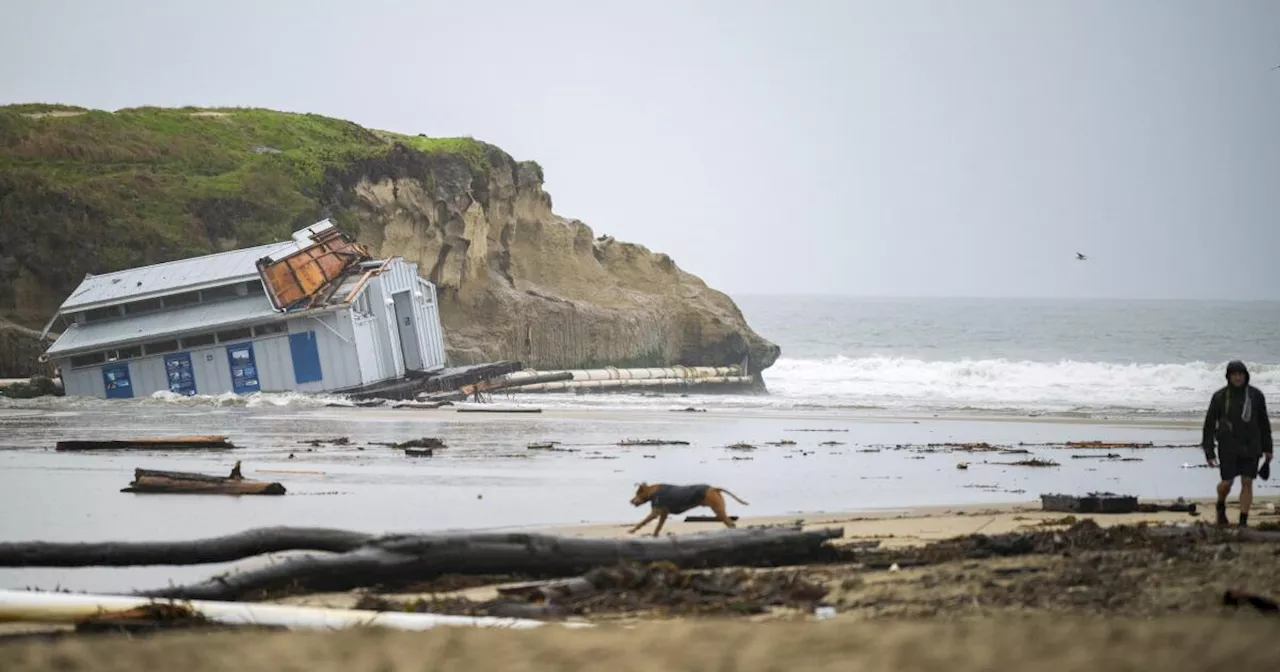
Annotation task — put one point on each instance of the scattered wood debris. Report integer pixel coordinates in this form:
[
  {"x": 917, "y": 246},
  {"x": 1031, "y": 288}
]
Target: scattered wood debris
[
  {"x": 651, "y": 442},
  {"x": 741, "y": 446}
]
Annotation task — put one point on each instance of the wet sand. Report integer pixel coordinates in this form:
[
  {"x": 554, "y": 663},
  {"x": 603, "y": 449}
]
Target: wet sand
[{"x": 488, "y": 479}]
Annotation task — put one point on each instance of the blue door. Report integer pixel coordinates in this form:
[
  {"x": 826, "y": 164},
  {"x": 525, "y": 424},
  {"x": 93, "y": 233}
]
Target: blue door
[
  {"x": 244, "y": 371},
  {"x": 182, "y": 378},
  {"x": 306, "y": 357},
  {"x": 116, "y": 379}
]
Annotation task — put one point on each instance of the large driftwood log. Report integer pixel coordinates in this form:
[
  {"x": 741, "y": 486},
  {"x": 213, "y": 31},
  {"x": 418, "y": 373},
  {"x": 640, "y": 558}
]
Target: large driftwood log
[
  {"x": 182, "y": 482},
  {"x": 401, "y": 559},
  {"x": 199, "y": 552}
]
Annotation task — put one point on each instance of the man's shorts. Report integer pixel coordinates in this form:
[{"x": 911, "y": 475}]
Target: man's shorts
[{"x": 1232, "y": 466}]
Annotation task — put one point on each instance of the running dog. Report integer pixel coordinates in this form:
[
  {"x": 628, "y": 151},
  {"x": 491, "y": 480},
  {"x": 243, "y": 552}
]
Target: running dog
[{"x": 665, "y": 499}]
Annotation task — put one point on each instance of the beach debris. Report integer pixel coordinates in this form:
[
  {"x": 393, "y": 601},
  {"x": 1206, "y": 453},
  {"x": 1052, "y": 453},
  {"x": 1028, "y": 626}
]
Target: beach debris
[
  {"x": 419, "y": 452},
  {"x": 1033, "y": 462},
  {"x": 1105, "y": 456},
  {"x": 1236, "y": 598},
  {"x": 632, "y": 588},
  {"x": 689, "y": 409},
  {"x": 1108, "y": 444},
  {"x": 151, "y": 616},
  {"x": 815, "y": 430},
  {"x": 868, "y": 450},
  {"x": 1015, "y": 451},
  {"x": 400, "y": 559},
  {"x": 962, "y": 465},
  {"x": 55, "y": 607},
  {"x": 1094, "y": 502},
  {"x": 486, "y": 409},
  {"x": 334, "y": 441},
  {"x": 550, "y": 446},
  {"x": 831, "y": 443},
  {"x": 651, "y": 442},
  {"x": 744, "y": 446},
  {"x": 162, "y": 443},
  {"x": 424, "y": 442},
  {"x": 705, "y": 519},
  {"x": 179, "y": 482},
  {"x": 784, "y": 442},
  {"x": 420, "y": 405}
]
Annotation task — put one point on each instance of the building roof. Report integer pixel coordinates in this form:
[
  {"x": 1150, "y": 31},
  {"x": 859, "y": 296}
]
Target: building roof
[
  {"x": 170, "y": 277},
  {"x": 196, "y": 318}
]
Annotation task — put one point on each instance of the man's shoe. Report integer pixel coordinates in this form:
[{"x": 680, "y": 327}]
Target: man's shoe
[{"x": 1222, "y": 514}]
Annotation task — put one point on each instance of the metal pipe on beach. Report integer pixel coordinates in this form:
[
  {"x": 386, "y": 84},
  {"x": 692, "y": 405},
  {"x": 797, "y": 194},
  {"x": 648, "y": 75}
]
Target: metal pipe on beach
[
  {"x": 643, "y": 382},
  {"x": 680, "y": 372},
  {"x": 42, "y": 607}
]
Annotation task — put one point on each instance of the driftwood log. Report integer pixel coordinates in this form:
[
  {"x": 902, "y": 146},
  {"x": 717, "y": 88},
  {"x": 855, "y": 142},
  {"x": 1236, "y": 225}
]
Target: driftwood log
[
  {"x": 400, "y": 559},
  {"x": 181, "y": 482},
  {"x": 228, "y": 548},
  {"x": 165, "y": 443}
]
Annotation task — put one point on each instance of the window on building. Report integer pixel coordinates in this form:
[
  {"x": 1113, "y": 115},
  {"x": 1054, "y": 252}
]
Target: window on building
[
  {"x": 124, "y": 353},
  {"x": 219, "y": 293},
  {"x": 161, "y": 346},
  {"x": 271, "y": 328},
  {"x": 143, "y": 306},
  {"x": 88, "y": 360},
  {"x": 183, "y": 299},
  {"x": 99, "y": 314},
  {"x": 233, "y": 335},
  {"x": 197, "y": 341},
  {"x": 361, "y": 304}
]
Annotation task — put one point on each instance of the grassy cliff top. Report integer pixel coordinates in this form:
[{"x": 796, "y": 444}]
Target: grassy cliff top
[{"x": 94, "y": 191}]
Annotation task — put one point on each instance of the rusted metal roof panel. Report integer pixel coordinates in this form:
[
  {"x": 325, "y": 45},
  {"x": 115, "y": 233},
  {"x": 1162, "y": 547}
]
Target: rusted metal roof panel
[{"x": 307, "y": 277}]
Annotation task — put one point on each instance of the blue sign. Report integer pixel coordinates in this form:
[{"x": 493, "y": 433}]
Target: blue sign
[
  {"x": 244, "y": 371},
  {"x": 116, "y": 379},
  {"x": 177, "y": 368}
]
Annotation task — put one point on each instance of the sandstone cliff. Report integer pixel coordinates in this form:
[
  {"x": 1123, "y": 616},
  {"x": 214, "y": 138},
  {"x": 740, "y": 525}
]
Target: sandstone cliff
[{"x": 84, "y": 191}]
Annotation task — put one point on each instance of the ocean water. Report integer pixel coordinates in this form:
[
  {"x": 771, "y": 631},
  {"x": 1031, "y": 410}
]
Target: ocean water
[{"x": 1073, "y": 357}]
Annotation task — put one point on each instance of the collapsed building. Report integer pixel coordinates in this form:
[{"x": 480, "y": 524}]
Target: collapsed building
[{"x": 312, "y": 314}]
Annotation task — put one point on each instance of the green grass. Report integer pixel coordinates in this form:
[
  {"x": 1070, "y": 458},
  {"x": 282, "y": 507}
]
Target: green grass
[{"x": 144, "y": 185}]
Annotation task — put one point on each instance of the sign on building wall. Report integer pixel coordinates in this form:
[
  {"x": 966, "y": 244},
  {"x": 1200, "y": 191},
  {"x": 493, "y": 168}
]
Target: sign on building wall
[
  {"x": 244, "y": 370},
  {"x": 182, "y": 378},
  {"x": 116, "y": 379}
]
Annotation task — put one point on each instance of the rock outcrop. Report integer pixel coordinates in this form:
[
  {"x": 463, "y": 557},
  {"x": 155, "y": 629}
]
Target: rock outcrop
[
  {"x": 86, "y": 191},
  {"x": 519, "y": 282}
]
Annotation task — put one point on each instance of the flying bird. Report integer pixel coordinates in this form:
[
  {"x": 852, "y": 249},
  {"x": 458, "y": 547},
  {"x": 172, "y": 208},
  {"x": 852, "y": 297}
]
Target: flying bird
[{"x": 1081, "y": 257}]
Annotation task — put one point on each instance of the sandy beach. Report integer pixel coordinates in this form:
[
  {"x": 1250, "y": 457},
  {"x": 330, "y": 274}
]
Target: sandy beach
[{"x": 891, "y": 483}]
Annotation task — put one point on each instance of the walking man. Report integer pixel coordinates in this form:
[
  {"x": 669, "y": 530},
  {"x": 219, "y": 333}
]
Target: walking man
[{"x": 1237, "y": 420}]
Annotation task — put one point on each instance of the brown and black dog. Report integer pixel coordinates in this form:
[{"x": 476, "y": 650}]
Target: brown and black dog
[{"x": 665, "y": 499}]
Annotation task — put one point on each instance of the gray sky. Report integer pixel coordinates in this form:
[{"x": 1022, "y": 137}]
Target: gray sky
[{"x": 877, "y": 148}]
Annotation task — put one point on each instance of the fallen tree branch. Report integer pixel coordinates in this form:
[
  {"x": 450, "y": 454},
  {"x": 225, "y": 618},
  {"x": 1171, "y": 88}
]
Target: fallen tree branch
[
  {"x": 402, "y": 559},
  {"x": 198, "y": 552}
]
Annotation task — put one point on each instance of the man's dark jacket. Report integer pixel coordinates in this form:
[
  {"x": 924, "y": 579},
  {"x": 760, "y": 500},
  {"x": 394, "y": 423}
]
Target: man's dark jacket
[{"x": 1235, "y": 437}]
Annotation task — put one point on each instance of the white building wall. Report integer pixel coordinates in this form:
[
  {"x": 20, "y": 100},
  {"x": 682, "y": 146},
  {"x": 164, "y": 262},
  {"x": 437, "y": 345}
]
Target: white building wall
[{"x": 336, "y": 344}]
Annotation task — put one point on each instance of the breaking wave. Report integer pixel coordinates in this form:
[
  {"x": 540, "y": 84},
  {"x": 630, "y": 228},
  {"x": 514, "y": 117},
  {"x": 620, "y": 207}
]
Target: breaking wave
[{"x": 1003, "y": 385}]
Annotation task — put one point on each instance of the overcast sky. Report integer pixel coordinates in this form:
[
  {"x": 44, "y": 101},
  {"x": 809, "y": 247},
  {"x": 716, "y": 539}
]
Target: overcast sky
[{"x": 876, "y": 148}]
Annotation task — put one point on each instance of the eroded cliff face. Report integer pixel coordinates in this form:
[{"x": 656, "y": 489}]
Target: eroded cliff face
[{"x": 516, "y": 281}]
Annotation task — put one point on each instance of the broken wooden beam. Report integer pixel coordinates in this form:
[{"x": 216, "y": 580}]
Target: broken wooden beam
[
  {"x": 181, "y": 482},
  {"x": 162, "y": 443},
  {"x": 403, "y": 559},
  {"x": 705, "y": 519}
]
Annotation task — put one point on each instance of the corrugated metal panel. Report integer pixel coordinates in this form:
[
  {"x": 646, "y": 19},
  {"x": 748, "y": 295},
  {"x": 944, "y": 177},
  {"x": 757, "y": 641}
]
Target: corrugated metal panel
[
  {"x": 199, "y": 317},
  {"x": 401, "y": 276},
  {"x": 171, "y": 277}
]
